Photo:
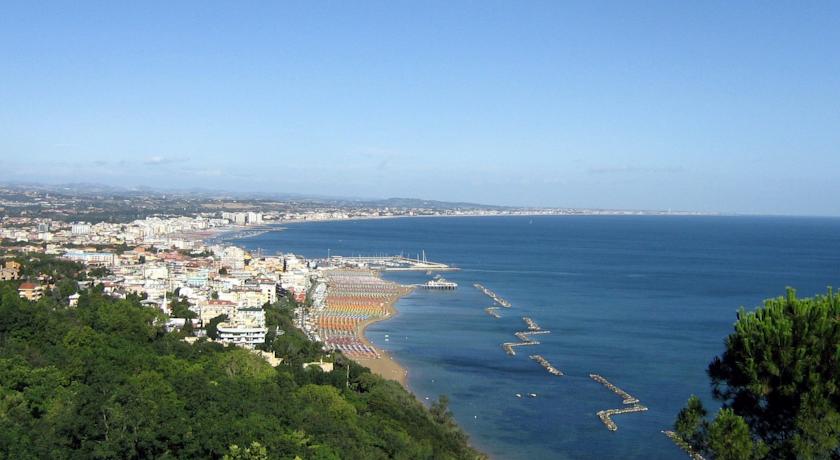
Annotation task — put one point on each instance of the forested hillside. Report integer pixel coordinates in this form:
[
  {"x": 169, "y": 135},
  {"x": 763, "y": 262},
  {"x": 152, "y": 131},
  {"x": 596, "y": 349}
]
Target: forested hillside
[{"x": 104, "y": 380}]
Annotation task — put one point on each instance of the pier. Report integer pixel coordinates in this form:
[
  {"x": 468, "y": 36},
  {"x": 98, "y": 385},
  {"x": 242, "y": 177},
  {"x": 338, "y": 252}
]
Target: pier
[
  {"x": 389, "y": 263},
  {"x": 605, "y": 415},
  {"x": 492, "y": 312},
  {"x": 683, "y": 445},
  {"x": 627, "y": 397},
  {"x": 493, "y": 295},
  {"x": 547, "y": 365}
]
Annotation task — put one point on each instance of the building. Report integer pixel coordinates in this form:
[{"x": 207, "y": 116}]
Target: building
[
  {"x": 254, "y": 218},
  {"x": 8, "y": 274},
  {"x": 30, "y": 291},
  {"x": 105, "y": 259},
  {"x": 246, "y": 328},
  {"x": 80, "y": 228},
  {"x": 243, "y": 336},
  {"x": 214, "y": 308}
]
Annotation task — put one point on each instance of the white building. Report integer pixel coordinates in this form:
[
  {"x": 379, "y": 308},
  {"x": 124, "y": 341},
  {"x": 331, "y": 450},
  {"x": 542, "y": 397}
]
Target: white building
[
  {"x": 91, "y": 258},
  {"x": 247, "y": 328},
  {"x": 255, "y": 218},
  {"x": 243, "y": 336},
  {"x": 80, "y": 228}
]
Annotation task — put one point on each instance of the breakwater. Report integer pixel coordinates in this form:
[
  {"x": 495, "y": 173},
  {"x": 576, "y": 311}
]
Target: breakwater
[
  {"x": 492, "y": 311},
  {"x": 605, "y": 415},
  {"x": 627, "y": 398},
  {"x": 496, "y": 298},
  {"x": 547, "y": 365},
  {"x": 532, "y": 325},
  {"x": 683, "y": 445},
  {"x": 524, "y": 337}
]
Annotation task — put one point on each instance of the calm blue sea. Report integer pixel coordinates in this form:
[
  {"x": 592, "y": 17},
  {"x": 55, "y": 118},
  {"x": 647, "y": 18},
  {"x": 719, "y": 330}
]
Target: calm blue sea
[{"x": 644, "y": 301}]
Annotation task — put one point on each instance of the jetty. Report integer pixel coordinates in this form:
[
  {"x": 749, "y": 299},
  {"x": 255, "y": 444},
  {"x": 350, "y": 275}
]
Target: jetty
[
  {"x": 508, "y": 346},
  {"x": 683, "y": 445},
  {"x": 627, "y": 397},
  {"x": 496, "y": 298},
  {"x": 524, "y": 336},
  {"x": 532, "y": 325},
  {"x": 492, "y": 312},
  {"x": 547, "y": 365},
  {"x": 605, "y": 415}
]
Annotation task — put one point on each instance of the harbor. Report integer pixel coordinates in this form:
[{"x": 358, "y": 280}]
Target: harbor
[
  {"x": 389, "y": 263},
  {"x": 496, "y": 298},
  {"x": 547, "y": 365}
]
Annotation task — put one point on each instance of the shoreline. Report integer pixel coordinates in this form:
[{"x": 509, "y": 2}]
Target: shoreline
[
  {"x": 385, "y": 366},
  {"x": 535, "y": 214}
]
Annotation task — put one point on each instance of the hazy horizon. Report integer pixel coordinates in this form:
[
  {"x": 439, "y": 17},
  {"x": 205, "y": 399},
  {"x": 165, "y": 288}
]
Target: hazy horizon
[{"x": 712, "y": 107}]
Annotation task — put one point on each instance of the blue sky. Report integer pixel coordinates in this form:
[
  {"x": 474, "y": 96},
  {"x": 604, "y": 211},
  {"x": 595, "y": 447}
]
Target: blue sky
[{"x": 710, "y": 106}]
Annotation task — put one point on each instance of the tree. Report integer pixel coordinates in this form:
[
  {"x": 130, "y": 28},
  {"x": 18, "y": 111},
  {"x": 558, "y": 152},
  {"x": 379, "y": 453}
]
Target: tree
[
  {"x": 779, "y": 381},
  {"x": 730, "y": 438},
  {"x": 105, "y": 380},
  {"x": 253, "y": 452},
  {"x": 691, "y": 424},
  {"x": 213, "y": 326}
]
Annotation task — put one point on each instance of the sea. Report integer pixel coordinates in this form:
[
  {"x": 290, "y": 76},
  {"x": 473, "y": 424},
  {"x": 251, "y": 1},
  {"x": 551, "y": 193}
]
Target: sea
[{"x": 645, "y": 301}]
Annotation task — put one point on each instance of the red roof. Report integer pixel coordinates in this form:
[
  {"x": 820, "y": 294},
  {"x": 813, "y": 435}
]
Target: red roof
[
  {"x": 221, "y": 302},
  {"x": 27, "y": 287}
]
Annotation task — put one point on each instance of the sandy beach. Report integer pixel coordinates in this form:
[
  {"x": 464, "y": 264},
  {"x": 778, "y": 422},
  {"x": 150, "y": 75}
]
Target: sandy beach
[
  {"x": 357, "y": 298},
  {"x": 385, "y": 366}
]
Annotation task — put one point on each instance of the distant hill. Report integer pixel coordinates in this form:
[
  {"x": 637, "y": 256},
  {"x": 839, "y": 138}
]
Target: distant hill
[{"x": 92, "y": 189}]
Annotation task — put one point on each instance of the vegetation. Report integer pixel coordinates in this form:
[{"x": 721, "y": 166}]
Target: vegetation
[
  {"x": 179, "y": 306},
  {"x": 104, "y": 380},
  {"x": 779, "y": 382}
]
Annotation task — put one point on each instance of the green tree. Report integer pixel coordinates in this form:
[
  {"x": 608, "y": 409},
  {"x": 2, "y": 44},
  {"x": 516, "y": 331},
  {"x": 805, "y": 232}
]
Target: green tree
[
  {"x": 213, "y": 326},
  {"x": 253, "y": 452},
  {"x": 779, "y": 379},
  {"x": 730, "y": 438},
  {"x": 104, "y": 380},
  {"x": 691, "y": 424}
]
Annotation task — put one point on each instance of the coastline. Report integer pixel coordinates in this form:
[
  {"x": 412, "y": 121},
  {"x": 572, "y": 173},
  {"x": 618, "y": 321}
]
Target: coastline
[{"x": 385, "y": 366}]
